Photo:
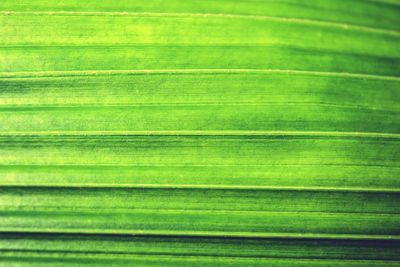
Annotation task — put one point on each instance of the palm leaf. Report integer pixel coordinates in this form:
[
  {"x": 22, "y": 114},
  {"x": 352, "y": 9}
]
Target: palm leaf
[{"x": 200, "y": 133}]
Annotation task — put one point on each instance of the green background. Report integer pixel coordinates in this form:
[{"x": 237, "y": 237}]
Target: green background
[{"x": 200, "y": 133}]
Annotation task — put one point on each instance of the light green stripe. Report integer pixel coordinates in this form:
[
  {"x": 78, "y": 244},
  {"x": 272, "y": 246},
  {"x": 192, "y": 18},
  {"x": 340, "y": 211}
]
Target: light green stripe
[{"x": 340, "y": 11}]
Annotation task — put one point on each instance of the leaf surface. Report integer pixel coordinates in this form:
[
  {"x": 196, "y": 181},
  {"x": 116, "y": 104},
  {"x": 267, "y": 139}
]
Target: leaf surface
[{"x": 200, "y": 133}]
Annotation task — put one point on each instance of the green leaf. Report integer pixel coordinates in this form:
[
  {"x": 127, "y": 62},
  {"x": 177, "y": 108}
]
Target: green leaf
[{"x": 200, "y": 133}]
